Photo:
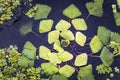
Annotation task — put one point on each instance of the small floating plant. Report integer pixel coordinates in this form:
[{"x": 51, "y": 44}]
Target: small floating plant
[{"x": 61, "y": 60}]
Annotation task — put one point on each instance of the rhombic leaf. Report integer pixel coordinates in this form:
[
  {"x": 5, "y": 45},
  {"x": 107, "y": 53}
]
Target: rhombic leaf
[
  {"x": 45, "y": 25},
  {"x": 85, "y": 73},
  {"x": 66, "y": 70},
  {"x": 95, "y": 44},
  {"x": 103, "y": 34},
  {"x": 29, "y": 50},
  {"x": 80, "y": 38},
  {"x": 65, "y": 56},
  {"x": 106, "y": 56},
  {"x": 43, "y": 52},
  {"x": 49, "y": 68},
  {"x": 81, "y": 60},
  {"x": 71, "y": 11},
  {"x": 67, "y": 34},
  {"x": 63, "y": 25},
  {"x": 53, "y": 36},
  {"x": 42, "y": 11},
  {"x": 79, "y": 24},
  {"x": 95, "y": 8}
]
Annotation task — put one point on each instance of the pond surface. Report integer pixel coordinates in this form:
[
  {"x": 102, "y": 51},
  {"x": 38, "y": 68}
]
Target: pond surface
[{"x": 9, "y": 34}]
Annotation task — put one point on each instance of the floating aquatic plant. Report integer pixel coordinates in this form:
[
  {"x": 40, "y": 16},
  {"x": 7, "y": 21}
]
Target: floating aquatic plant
[
  {"x": 61, "y": 63},
  {"x": 79, "y": 24},
  {"x": 45, "y": 25},
  {"x": 6, "y": 9},
  {"x": 106, "y": 56},
  {"x": 67, "y": 70},
  {"x": 85, "y": 73},
  {"x": 102, "y": 69},
  {"x": 72, "y": 11},
  {"x": 116, "y": 14},
  {"x": 95, "y": 44},
  {"x": 95, "y": 8},
  {"x": 42, "y": 11},
  {"x": 29, "y": 50},
  {"x": 80, "y": 38},
  {"x": 81, "y": 59},
  {"x": 63, "y": 25},
  {"x": 26, "y": 28},
  {"x": 53, "y": 36}
]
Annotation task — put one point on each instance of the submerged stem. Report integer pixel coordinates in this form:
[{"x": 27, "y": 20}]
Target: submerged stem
[{"x": 87, "y": 17}]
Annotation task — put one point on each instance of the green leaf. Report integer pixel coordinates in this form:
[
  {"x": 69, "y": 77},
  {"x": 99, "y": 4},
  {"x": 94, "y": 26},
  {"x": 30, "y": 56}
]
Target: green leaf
[
  {"x": 79, "y": 24},
  {"x": 62, "y": 25},
  {"x": 118, "y": 3},
  {"x": 95, "y": 44},
  {"x": 103, "y": 34},
  {"x": 44, "y": 52},
  {"x": 102, "y": 69},
  {"x": 42, "y": 11},
  {"x": 80, "y": 38},
  {"x": 85, "y": 73},
  {"x": 106, "y": 56},
  {"x": 45, "y": 25},
  {"x": 58, "y": 77},
  {"x": 81, "y": 59},
  {"x": 49, "y": 68},
  {"x": 26, "y": 28},
  {"x": 57, "y": 46},
  {"x": 68, "y": 35},
  {"x": 29, "y": 50},
  {"x": 53, "y": 58},
  {"x": 53, "y": 36},
  {"x": 25, "y": 62},
  {"x": 115, "y": 37},
  {"x": 65, "y": 56},
  {"x": 71, "y": 11},
  {"x": 95, "y": 8},
  {"x": 66, "y": 70},
  {"x": 117, "y": 18}
]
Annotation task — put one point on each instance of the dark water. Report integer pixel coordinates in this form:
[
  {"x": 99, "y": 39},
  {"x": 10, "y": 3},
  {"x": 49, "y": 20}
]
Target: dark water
[{"x": 10, "y": 34}]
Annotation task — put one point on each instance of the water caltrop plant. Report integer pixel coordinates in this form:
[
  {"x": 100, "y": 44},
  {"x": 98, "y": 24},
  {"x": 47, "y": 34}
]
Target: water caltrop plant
[{"x": 59, "y": 62}]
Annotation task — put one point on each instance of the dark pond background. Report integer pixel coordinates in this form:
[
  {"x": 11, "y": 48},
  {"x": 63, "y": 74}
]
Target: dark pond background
[{"x": 9, "y": 34}]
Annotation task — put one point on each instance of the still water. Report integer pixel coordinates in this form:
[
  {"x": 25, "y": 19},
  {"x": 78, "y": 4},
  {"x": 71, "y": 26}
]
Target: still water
[{"x": 9, "y": 33}]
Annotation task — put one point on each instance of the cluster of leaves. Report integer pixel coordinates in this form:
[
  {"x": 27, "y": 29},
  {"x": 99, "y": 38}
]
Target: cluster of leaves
[
  {"x": 6, "y": 9},
  {"x": 14, "y": 65},
  {"x": 61, "y": 37},
  {"x": 105, "y": 40},
  {"x": 39, "y": 11}
]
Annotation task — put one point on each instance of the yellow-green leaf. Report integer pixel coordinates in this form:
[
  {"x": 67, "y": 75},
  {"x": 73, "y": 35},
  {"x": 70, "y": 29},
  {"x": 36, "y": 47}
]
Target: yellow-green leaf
[
  {"x": 71, "y": 11},
  {"x": 57, "y": 46},
  {"x": 81, "y": 59},
  {"x": 80, "y": 38},
  {"x": 42, "y": 11},
  {"x": 65, "y": 56},
  {"x": 95, "y": 44},
  {"x": 66, "y": 70},
  {"x": 67, "y": 34},
  {"x": 45, "y": 25},
  {"x": 53, "y": 58},
  {"x": 29, "y": 50},
  {"x": 44, "y": 52},
  {"x": 53, "y": 36},
  {"x": 63, "y": 25},
  {"x": 79, "y": 24},
  {"x": 49, "y": 68}
]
